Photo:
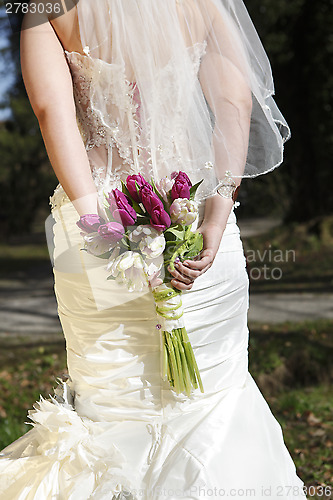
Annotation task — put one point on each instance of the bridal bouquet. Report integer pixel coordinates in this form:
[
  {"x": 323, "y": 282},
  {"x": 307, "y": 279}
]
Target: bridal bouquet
[{"x": 148, "y": 228}]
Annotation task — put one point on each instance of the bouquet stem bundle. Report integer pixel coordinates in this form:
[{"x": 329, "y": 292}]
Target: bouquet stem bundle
[{"x": 178, "y": 365}]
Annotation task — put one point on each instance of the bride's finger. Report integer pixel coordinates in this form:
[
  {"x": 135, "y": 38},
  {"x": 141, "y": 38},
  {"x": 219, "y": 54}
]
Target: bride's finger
[
  {"x": 181, "y": 277},
  {"x": 198, "y": 264},
  {"x": 187, "y": 271},
  {"x": 206, "y": 268},
  {"x": 180, "y": 285}
]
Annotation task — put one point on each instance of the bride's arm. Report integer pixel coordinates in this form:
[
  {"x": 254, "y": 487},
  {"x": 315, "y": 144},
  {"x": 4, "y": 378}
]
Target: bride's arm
[
  {"x": 49, "y": 87},
  {"x": 224, "y": 83}
]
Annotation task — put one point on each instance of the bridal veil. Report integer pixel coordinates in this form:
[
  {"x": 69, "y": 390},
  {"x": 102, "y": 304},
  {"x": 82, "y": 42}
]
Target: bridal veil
[{"x": 207, "y": 118}]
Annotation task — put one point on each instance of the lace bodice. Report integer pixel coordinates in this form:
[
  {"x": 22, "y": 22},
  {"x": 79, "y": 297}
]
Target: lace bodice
[{"x": 111, "y": 130}]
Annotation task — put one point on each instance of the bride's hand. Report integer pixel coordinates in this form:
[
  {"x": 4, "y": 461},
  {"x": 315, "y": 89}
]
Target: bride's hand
[{"x": 186, "y": 272}]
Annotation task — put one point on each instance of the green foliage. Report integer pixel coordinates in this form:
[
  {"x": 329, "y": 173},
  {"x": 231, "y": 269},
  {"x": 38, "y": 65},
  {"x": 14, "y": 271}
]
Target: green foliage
[
  {"x": 181, "y": 243},
  {"x": 21, "y": 367},
  {"x": 291, "y": 364},
  {"x": 26, "y": 177},
  {"x": 298, "y": 39},
  {"x": 194, "y": 189}
]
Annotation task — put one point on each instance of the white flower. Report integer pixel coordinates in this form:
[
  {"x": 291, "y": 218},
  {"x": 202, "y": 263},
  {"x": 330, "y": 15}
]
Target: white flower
[
  {"x": 129, "y": 269},
  {"x": 153, "y": 245},
  {"x": 164, "y": 185},
  {"x": 152, "y": 242},
  {"x": 183, "y": 211},
  {"x": 139, "y": 232},
  {"x": 153, "y": 265},
  {"x": 95, "y": 244}
]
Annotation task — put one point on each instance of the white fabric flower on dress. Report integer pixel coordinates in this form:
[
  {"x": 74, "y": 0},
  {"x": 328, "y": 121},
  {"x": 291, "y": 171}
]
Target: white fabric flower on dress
[{"x": 74, "y": 451}]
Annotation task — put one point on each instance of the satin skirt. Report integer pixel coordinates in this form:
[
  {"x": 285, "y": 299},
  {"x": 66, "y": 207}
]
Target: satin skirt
[{"x": 119, "y": 431}]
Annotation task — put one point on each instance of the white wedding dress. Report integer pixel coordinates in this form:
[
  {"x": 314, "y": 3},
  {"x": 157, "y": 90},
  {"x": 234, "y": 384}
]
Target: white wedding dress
[{"x": 116, "y": 430}]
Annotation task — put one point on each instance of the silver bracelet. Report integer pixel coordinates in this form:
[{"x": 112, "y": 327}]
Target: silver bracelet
[{"x": 228, "y": 187}]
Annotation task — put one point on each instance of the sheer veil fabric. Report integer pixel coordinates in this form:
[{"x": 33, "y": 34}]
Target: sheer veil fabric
[{"x": 202, "y": 80}]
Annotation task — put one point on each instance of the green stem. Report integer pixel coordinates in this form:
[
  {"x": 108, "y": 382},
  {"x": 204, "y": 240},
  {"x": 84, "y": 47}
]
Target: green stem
[
  {"x": 196, "y": 369},
  {"x": 174, "y": 368},
  {"x": 165, "y": 359},
  {"x": 179, "y": 361},
  {"x": 170, "y": 378},
  {"x": 186, "y": 374},
  {"x": 187, "y": 349}
]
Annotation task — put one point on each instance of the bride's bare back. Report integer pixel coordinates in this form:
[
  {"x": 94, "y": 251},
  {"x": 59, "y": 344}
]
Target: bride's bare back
[{"x": 67, "y": 30}]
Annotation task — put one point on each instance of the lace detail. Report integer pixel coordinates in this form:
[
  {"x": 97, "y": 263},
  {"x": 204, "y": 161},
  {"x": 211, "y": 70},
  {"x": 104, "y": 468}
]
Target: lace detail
[
  {"x": 115, "y": 122},
  {"x": 197, "y": 51},
  {"x": 90, "y": 125},
  {"x": 95, "y": 130}
]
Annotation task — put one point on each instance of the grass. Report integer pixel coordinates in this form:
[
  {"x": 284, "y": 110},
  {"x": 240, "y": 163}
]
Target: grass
[
  {"x": 26, "y": 372},
  {"x": 306, "y": 419},
  {"x": 291, "y": 364}
]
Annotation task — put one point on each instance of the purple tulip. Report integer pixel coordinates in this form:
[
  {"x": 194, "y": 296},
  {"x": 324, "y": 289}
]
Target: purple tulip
[
  {"x": 149, "y": 199},
  {"x": 160, "y": 219},
  {"x": 112, "y": 232},
  {"x": 181, "y": 186},
  {"x": 130, "y": 183},
  {"x": 182, "y": 174},
  {"x": 90, "y": 223},
  {"x": 121, "y": 208}
]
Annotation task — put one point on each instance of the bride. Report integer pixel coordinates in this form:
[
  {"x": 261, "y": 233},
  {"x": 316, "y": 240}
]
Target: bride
[{"x": 152, "y": 88}]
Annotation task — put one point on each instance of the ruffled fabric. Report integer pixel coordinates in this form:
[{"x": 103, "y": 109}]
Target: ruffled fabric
[{"x": 64, "y": 456}]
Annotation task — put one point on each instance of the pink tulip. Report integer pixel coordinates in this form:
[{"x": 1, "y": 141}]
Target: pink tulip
[
  {"x": 130, "y": 183},
  {"x": 181, "y": 186},
  {"x": 149, "y": 199},
  {"x": 90, "y": 223},
  {"x": 121, "y": 208},
  {"x": 160, "y": 219},
  {"x": 112, "y": 232}
]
